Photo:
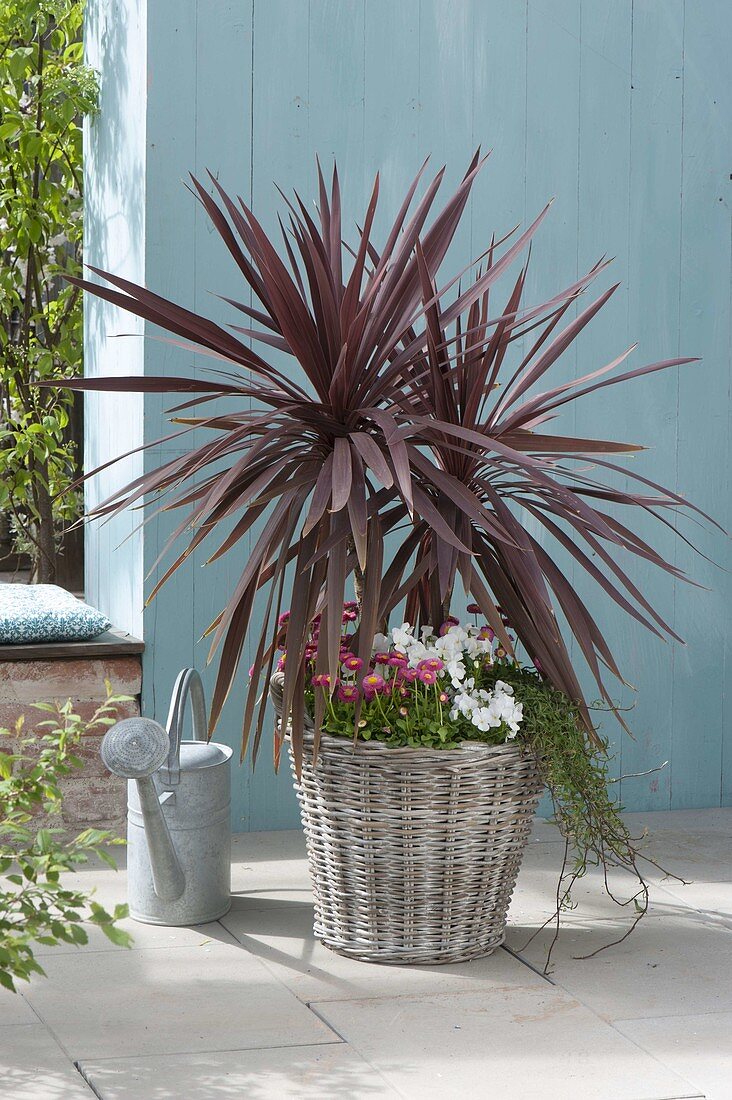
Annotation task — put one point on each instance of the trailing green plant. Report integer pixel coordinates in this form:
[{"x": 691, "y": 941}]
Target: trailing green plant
[
  {"x": 576, "y": 772},
  {"x": 45, "y": 90},
  {"x": 38, "y": 902}
]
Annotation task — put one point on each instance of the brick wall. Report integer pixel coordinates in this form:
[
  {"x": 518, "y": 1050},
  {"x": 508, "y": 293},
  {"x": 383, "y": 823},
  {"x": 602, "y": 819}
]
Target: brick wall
[{"x": 92, "y": 797}]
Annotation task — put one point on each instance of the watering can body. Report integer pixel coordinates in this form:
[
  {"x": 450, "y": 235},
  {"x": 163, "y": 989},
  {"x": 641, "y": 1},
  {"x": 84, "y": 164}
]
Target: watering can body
[
  {"x": 197, "y": 814},
  {"x": 178, "y": 814}
]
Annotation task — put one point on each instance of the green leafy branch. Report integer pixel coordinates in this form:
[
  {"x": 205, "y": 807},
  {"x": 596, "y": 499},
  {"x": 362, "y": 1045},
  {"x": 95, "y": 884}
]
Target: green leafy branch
[
  {"x": 45, "y": 92},
  {"x": 38, "y": 904}
]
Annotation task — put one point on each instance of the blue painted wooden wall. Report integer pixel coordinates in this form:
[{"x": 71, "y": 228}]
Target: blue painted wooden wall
[{"x": 622, "y": 110}]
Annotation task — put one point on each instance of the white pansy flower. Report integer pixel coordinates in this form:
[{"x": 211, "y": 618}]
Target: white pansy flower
[
  {"x": 456, "y": 672},
  {"x": 402, "y": 636}
]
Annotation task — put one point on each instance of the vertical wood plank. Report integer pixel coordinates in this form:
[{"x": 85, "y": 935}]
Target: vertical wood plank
[
  {"x": 647, "y": 408},
  {"x": 337, "y": 84},
  {"x": 281, "y": 154},
  {"x": 604, "y": 166},
  {"x": 391, "y": 100},
  {"x": 169, "y": 270},
  {"x": 499, "y": 118},
  {"x": 551, "y": 164},
  {"x": 703, "y": 617},
  {"x": 223, "y": 146},
  {"x": 445, "y": 120}
]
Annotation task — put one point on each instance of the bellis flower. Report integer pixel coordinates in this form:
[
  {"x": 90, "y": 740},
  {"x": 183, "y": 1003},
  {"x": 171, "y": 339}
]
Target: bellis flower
[{"x": 373, "y": 682}]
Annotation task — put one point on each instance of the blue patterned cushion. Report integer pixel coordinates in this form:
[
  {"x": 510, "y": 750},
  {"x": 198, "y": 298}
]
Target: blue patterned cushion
[{"x": 45, "y": 613}]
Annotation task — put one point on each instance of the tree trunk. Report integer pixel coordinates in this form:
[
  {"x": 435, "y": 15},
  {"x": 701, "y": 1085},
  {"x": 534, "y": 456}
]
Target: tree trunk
[{"x": 44, "y": 563}]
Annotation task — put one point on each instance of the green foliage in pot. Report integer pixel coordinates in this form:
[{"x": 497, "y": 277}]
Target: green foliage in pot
[
  {"x": 45, "y": 90},
  {"x": 367, "y": 394},
  {"x": 39, "y": 903}
]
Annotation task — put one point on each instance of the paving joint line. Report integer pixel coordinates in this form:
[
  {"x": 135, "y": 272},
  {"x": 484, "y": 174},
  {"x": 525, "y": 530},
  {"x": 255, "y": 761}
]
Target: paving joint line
[
  {"x": 85, "y": 1079},
  {"x": 525, "y": 962},
  {"x": 310, "y": 1005},
  {"x": 136, "y": 1058}
]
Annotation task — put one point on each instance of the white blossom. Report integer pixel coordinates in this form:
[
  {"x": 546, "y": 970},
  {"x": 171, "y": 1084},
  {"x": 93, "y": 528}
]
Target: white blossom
[{"x": 461, "y": 650}]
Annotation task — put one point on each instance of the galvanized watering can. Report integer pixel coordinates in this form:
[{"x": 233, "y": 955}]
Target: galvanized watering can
[{"x": 178, "y": 824}]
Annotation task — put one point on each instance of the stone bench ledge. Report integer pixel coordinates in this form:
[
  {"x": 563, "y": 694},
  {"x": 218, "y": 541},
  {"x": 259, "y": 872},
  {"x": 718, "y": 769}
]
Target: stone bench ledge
[{"x": 112, "y": 643}]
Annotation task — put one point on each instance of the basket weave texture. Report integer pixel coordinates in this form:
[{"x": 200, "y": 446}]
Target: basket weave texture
[{"x": 413, "y": 853}]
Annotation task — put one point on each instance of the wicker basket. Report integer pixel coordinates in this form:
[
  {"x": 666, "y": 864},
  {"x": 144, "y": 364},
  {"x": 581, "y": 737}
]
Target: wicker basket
[{"x": 414, "y": 853}]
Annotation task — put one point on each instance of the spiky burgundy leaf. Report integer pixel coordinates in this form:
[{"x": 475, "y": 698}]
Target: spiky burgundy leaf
[{"x": 396, "y": 419}]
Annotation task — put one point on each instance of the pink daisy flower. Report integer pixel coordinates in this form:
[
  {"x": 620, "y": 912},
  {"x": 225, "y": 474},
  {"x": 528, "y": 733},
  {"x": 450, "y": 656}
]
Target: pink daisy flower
[
  {"x": 322, "y": 680},
  {"x": 427, "y": 676},
  {"x": 348, "y": 693},
  {"x": 353, "y": 663},
  {"x": 430, "y": 664},
  {"x": 372, "y": 684}
]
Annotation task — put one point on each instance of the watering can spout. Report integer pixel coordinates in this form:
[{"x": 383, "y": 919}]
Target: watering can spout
[{"x": 168, "y": 878}]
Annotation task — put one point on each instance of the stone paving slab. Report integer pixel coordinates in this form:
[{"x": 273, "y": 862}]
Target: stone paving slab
[
  {"x": 670, "y": 966},
  {"x": 34, "y": 1067},
  {"x": 283, "y": 939},
  {"x": 536, "y": 891},
  {"x": 711, "y": 899},
  {"x": 697, "y": 1047},
  {"x": 335, "y": 1072},
  {"x": 180, "y": 1000},
  {"x": 144, "y": 936},
  {"x": 14, "y": 1009},
  {"x": 516, "y": 1044}
]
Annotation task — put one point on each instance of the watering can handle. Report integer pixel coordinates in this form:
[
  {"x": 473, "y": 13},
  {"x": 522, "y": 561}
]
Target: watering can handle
[{"x": 188, "y": 685}]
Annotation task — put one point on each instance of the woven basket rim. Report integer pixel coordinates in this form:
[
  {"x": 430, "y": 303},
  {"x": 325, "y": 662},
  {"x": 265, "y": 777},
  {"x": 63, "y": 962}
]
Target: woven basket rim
[
  {"x": 404, "y": 752},
  {"x": 347, "y": 744}
]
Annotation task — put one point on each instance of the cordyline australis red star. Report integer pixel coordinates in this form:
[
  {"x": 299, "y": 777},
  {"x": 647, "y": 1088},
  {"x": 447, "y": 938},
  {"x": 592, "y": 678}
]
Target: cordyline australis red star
[{"x": 412, "y": 415}]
